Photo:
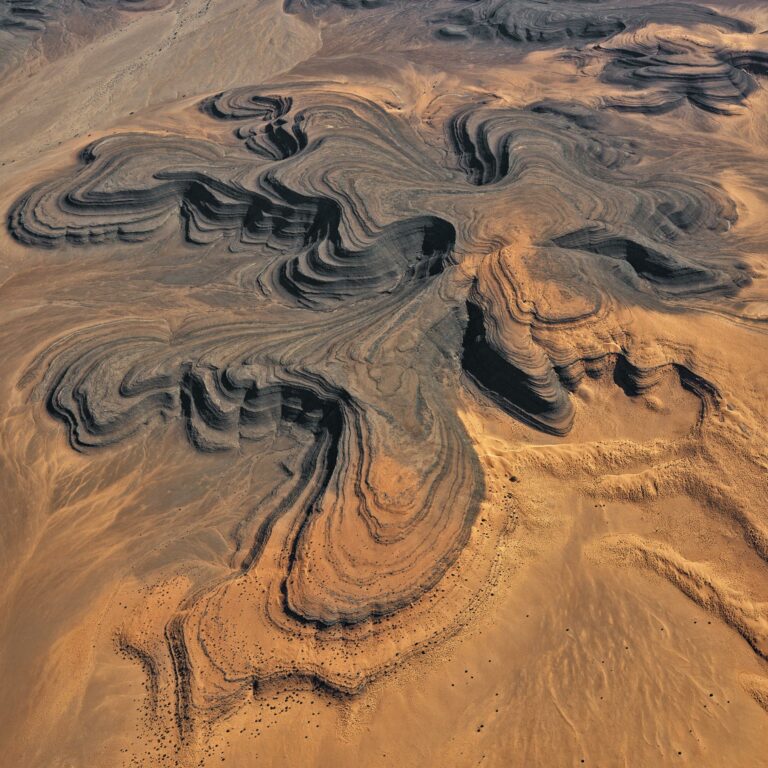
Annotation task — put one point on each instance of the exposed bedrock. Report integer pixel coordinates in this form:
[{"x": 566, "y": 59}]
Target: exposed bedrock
[
  {"x": 528, "y": 381},
  {"x": 312, "y": 303},
  {"x": 26, "y": 15},
  {"x": 319, "y": 6},
  {"x": 325, "y": 224},
  {"x": 308, "y": 256},
  {"x": 128, "y": 187},
  {"x": 665, "y": 72},
  {"x": 222, "y": 408},
  {"x": 527, "y": 22},
  {"x": 492, "y": 144},
  {"x": 244, "y": 103},
  {"x": 128, "y": 5},
  {"x": 671, "y": 219},
  {"x": 371, "y": 523},
  {"x": 518, "y": 377},
  {"x": 501, "y": 354},
  {"x": 529, "y": 342},
  {"x": 311, "y": 116},
  {"x": 378, "y": 506},
  {"x": 322, "y": 247},
  {"x": 274, "y": 136},
  {"x": 410, "y": 250},
  {"x": 118, "y": 193},
  {"x": 24, "y": 22},
  {"x": 636, "y": 380},
  {"x": 106, "y": 388},
  {"x": 276, "y": 140},
  {"x": 660, "y": 264}
]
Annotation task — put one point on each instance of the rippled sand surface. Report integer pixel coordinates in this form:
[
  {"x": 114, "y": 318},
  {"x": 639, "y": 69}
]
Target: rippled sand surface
[{"x": 384, "y": 383}]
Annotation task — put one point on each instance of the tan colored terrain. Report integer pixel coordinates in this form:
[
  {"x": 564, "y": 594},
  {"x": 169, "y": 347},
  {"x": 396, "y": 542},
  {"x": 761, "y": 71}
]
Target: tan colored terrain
[{"x": 385, "y": 383}]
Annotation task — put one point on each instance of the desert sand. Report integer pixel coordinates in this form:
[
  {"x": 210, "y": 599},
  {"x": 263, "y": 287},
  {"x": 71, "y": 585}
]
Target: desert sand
[{"x": 384, "y": 383}]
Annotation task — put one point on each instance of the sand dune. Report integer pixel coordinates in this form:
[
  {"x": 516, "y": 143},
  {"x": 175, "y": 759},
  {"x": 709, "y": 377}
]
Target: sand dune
[{"x": 384, "y": 383}]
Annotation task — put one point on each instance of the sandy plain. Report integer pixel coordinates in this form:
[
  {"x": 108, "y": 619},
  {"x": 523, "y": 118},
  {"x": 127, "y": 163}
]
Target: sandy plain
[{"x": 384, "y": 383}]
